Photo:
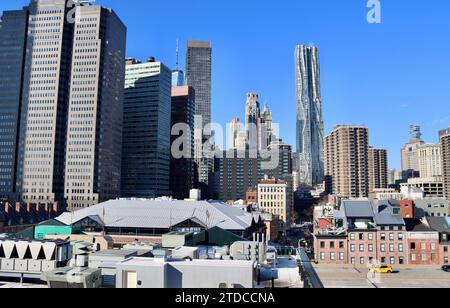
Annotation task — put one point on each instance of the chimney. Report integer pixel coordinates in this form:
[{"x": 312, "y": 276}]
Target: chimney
[{"x": 151, "y": 59}]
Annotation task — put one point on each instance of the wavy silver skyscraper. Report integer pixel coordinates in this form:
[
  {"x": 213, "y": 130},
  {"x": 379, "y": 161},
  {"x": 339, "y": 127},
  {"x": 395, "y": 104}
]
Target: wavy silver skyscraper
[{"x": 309, "y": 115}]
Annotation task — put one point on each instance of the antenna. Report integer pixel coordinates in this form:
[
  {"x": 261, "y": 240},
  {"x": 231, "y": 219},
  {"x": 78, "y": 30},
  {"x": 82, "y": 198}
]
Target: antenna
[{"x": 177, "y": 52}]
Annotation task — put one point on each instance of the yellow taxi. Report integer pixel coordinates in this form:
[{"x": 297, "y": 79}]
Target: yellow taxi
[{"x": 382, "y": 269}]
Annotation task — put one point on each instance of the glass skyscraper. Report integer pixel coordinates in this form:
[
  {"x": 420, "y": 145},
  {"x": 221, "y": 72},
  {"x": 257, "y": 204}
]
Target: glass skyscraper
[
  {"x": 198, "y": 76},
  {"x": 310, "y": 127},
  {"x": 146, "y": 130},
  {"x": 13, "y": 29}
]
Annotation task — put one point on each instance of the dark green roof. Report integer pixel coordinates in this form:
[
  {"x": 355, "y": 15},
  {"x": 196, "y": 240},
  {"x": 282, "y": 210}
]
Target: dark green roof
[{"x": 216, "y": 237}]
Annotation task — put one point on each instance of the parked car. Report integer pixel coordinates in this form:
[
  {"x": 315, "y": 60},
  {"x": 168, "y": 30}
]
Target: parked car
[
  {"x": 382, "y": 269},
  {"x": 446, "y": 268}
]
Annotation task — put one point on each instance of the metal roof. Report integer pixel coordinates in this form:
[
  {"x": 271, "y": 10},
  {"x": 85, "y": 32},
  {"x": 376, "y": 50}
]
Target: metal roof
[
  {"x": 358, "y": 209},
  {"x": 384, "y": 215},
  {"x": 163, "y": 214},
  {"x": 438, "y": 224}
]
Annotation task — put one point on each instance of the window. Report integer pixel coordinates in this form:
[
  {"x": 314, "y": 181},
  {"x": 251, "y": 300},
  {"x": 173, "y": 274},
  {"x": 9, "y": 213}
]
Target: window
[
  {"x": 383, "y": 247},
  {"x": 392, "y": 260},
  {"x": 400, "y": 248},
  {"x": 424, "y": 246},
  {"x": 341, "y": 245},
  {"x": 331, "y": 245},
  {"x": 433, "y": 246},
  {"x": 361, "y": 236},
  {"x": 361, "y": 248},
  {"x": 362, "y": 261},
  {"x": 413, "y": 246},
  {"x": 370, "y": 236},
  {"x": 352, "y": 248},
  {"x": 391, "y": 236},
  {"x": 370, "y": 248},
  {"x": 391, "y": 248},
  {"x": 400, "y": 236},
  {"x": 445, "y": 249},
  {"x": 332, "y": 256},
  {"x": 413, "y": 257},
  {"x": 341, "y": 256},
  {"x": 322, "y": 245},
  {"x": 383, "y": 236},
  {"x": 352, "y": 260},
  {"x": 352, "y": 236},
  {"x": 322, "y": 256}
]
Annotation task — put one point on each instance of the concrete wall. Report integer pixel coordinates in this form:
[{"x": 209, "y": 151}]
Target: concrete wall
[{"x": 191, "y": 274}]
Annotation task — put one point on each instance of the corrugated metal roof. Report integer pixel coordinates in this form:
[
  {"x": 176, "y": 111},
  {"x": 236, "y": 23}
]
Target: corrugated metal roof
[{"x": 163, "y": 214}]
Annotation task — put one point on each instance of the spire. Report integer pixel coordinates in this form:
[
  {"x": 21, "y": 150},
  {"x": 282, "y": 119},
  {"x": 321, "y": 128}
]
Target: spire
[
  {"x": 266, "y": 108},
  {"x": 177, "y": 53}
]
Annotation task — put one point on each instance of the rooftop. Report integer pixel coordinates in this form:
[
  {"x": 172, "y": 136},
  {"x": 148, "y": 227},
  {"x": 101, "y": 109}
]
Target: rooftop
[{"x": 164, "y": 214}]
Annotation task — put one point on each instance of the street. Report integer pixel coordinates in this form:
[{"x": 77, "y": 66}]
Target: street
[{"x": 407, "y": 277}]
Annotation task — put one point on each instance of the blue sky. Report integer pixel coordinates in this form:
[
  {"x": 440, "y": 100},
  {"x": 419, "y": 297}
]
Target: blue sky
[{"x": 385, "y": 76}]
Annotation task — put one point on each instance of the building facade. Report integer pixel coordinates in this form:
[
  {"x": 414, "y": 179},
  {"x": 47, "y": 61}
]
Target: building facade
[
  {"x": 310, "y": 127},
  {"x": 198, "y": 76},
  {"x": 444, "y": 140},
  {"x": 94, "y": 127},
  {"x": 13, "y": 36},
  {"x": 238, "y": 171},
  {"x": 252, "y": 112},
  {"x": 46, "y": 87},
  {"x": 182, "y": 168},
  {"x": 146, "y": 130},
  {"x": 430, "y": 161},
  {"x": 410, "y": 152},
  {"x": 378, "y": 169},
  {"x": 346, "y": 153},
  {"x": 275, "y": 197}
]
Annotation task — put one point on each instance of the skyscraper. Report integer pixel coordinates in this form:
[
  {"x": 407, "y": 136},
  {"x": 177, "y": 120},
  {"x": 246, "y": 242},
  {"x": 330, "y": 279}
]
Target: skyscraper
[
  {"x": 234, "y": 130},
  {"x": 252, "y": 112},
  {"x": 94, "y": 127},
  {"x": 182, "y": 169},
  {"x": 46, "y": 84},
  {"x": 444, "y": 139},
  {"x": 346, "y": 151},
  {"x": 265, "y": 129},
  {"x": 146, "y": 130},
  {"x": 198, "y": 76},
  {"x": 13, "y": 33},
  {"x": 430, "y": 161},
  {"x": 378, "y": 168},
  {"x": 410, "y": 153},
  {"x": 310, "y": 125}
]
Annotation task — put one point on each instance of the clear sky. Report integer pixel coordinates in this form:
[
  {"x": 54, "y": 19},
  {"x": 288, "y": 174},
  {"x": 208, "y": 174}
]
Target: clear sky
[{"x": 386, "y": 76}]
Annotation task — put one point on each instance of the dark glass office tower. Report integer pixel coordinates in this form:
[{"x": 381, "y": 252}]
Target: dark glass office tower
[
  {"x": 13, "y": 31},
  {"x": 146, "y": 129},
  {"x": 182, "y": 169},
  {"x": 198, "y": 76}
]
